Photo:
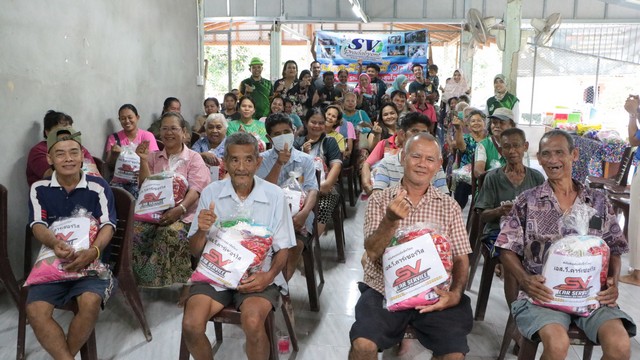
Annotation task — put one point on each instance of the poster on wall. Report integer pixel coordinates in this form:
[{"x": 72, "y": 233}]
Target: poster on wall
[{"x": 393, "y": 52}]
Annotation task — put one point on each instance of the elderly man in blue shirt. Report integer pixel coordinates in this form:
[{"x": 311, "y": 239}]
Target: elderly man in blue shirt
[{"x": 241, "y": 193}]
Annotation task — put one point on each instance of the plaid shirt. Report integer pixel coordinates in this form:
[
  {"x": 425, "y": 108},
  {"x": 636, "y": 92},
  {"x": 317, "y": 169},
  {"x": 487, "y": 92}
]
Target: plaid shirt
[
  {"x": 434, "y": 207},
  {"x": 533, "y": 225}
]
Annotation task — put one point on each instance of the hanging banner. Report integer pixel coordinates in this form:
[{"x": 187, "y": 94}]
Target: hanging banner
[{"x": 395, "y": 53}]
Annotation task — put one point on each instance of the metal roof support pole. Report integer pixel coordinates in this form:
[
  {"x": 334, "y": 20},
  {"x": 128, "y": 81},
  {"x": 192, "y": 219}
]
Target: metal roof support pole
[
  {"x": 275, "y": 48},
  {"x": 510, "y": 56},
  {"x": 229, "y": 49},
  {"x": 466, "y": 55}
]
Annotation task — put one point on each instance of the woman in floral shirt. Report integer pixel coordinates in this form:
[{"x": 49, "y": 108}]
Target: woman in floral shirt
[{"x": 466, "y": 145}]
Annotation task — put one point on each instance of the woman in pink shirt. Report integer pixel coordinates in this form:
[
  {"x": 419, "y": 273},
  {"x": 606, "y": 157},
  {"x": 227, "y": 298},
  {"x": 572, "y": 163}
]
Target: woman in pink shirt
[
  {"x": 160, "y": 249},
  {"x": 130, "y": 134}
]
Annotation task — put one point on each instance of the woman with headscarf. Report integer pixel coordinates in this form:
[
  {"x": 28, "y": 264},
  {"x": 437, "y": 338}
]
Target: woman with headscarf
[
  {"x": 367, "y": 95},
  {"x": 455, "y": 86},
  {"x": 503, "y": 98},
  {"x": 400, "y": 83}
]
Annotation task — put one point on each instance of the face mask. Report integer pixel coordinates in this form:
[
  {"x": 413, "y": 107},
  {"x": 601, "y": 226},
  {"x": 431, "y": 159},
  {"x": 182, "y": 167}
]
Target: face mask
[
  {"x": 460, "y": 115},
  {"x": 279, "y": 141}
]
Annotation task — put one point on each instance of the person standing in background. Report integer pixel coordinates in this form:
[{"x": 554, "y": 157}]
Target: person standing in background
[
  {"x": 503, "y": 98},
  {"x": 257, "y": 88},
  {"x": 632, "y": 105},
  {"x": 316, "y": 80}
]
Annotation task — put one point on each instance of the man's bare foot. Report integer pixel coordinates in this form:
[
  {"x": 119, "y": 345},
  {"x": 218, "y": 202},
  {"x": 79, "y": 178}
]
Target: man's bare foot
[{"x": 633, "y": 278}]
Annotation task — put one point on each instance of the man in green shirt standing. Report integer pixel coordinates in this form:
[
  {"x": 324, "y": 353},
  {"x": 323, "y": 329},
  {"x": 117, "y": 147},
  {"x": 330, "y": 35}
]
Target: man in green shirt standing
[{"x": 257, "y": 88}]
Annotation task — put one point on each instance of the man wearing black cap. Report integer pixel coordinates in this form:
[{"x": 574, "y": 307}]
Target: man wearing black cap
[{"x": 55, "y": 199}]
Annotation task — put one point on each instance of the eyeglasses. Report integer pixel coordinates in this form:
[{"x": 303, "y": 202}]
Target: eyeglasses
[{"x": 170, "y": 129}]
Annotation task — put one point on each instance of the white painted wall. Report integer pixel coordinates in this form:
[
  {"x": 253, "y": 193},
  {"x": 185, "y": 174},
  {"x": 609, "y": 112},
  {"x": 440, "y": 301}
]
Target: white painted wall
[{"x": 86, "y": 58}]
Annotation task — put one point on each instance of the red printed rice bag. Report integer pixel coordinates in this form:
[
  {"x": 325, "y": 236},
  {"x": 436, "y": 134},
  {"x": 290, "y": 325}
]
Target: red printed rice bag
[
  {"x": 79, "y": 231},
  {"x": 576, "y": 266},
  {"x": 575, "y": 269},
  {"x": 237, "y": 250},
  {"x": 158, "y": 193},
  {"x": 418, "y": 260},
  {"x": 127, "y": 166}
]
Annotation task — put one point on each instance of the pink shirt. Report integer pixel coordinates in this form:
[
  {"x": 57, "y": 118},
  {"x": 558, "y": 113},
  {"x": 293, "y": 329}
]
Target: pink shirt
[
  {"x": 379, "y": 150},
  {"x": 429, "y": 111},
  {"x": 142, "y": 135},
  {"x": 351, "y": 131},
  {"x": 192, "y": 168}
]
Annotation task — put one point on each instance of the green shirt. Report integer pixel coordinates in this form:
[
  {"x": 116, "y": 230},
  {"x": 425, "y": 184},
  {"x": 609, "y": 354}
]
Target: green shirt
[
  {"x": 492, "y": 154},
  {"x": 255, "y": 128},
  {"x": 508, "y": 101},
  {"x": 263, "y": 89},
  {"x": 497, "y": 188}
]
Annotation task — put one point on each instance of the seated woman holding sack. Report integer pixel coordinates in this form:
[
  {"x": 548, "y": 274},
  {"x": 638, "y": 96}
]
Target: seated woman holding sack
[
  {"x": 160, "y": 248},
  {"x": 127, "y": 139}
]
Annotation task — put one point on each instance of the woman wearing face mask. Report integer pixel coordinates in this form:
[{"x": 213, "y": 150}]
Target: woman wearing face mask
[
  {"x": 247, "y": 123},
  {"x": 502, "y": 98},
  {"x": 383, "y": 143},
  {"x": 465, "y": 145},
  {"x": 211, "y": 106},
  {"x": 303, "y": 94},
  {"x": 328, "y": 159}
]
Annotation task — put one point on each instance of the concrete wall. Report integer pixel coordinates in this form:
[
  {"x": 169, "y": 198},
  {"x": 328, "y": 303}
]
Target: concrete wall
[{"x": 86, "y": 58}]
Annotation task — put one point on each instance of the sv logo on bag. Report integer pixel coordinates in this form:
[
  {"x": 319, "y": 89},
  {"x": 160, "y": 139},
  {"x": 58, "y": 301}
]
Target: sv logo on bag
[
  {"x": 65, "y": 237},
  {"x": 152, "y": 197},
  {"x": 409, "y": 275},
  {"x": 573, "y": 287},
  {"x": 216, "y": 259}
]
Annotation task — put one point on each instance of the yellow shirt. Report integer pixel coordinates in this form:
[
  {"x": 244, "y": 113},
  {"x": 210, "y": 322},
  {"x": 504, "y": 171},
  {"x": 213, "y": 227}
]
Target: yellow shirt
[{"x": 339, "y": 139}]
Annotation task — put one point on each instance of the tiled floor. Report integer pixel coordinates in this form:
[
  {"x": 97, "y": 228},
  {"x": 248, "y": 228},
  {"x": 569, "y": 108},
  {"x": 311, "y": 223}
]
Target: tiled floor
[{"x": 322, "y": 335}]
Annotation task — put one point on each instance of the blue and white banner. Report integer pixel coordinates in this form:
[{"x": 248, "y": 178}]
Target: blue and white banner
[{"x": 394, "y": 52}]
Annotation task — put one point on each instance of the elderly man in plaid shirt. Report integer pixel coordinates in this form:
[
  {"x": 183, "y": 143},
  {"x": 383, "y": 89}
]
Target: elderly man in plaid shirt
[{"x": 442, "y": 327}]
